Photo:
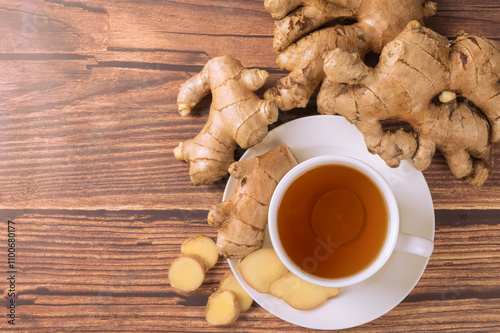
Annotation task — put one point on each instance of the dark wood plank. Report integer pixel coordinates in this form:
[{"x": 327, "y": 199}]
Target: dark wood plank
[
  {"x": 174, "y": 26},
  {"x": 87, "y": 147},
  {"x": 52, "y": 26},
  {"x": 448, "y": 192},
  {"x": 476, "y": 17},
  {"x": 110, "y": 120},
  {"x": 85, "y": 269}
]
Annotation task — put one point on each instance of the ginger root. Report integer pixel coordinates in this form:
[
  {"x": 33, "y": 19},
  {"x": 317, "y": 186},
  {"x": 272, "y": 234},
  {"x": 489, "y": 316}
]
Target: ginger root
[
  {"x": 242, "y": 219},
  {"x": 187, "y": 272},
  {"x": 377, "y": 23},
  {"x": 229, "y": 282},
  {"x": 415, "y": 71},
  {"x": 222, "y": 308},
  {"x": 237, "y": 116},
  {"x": 261, "y": 268},
  {"x": 300, "y": 294}
]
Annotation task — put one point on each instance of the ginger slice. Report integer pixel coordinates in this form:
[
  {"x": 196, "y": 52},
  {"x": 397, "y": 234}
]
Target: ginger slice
[
  {"x": 229, "y": 282},
  {"x": 237, "y": 116},
  {"x": 242, "y": 219},
  {"x": 261, "y": 268},
  {"x": 300, "y": 294},
  {"x": 222, "y": 308},
  {"x": 187, "y": 272},
  {"x": 202, "y": 246}
]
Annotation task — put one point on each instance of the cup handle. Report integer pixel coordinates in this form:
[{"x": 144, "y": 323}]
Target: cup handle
[{"x": 414, "y": 245}]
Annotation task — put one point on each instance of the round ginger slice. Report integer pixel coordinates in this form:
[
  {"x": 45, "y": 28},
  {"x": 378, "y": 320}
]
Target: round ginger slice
[
  {"x": 229, "y": 282},
  {"x": 261, "y": 268},
  {"x": 222, "y": 308},
  {"x": 187, "y": 272},
  {"x": 300, "y": 294},
  {"x": 202, "y": 246}
]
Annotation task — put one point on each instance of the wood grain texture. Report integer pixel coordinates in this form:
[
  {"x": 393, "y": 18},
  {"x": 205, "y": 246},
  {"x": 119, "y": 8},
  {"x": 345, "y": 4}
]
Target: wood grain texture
[
  {"x": 87, "y": 271},
  {"x": 90, "y": 111},
  {"x": 88, "y": 122}
]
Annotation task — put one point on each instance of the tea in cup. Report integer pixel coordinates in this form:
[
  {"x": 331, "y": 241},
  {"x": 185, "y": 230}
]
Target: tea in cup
[{"x": 334, "y": 221}]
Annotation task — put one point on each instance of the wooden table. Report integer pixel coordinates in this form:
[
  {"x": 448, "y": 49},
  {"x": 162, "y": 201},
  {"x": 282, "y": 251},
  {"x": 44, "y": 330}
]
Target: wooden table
[{"x": 100, "y": 206}]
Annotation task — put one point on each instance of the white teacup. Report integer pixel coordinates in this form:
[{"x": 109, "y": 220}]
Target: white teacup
[{"x": 393, "y": 238}]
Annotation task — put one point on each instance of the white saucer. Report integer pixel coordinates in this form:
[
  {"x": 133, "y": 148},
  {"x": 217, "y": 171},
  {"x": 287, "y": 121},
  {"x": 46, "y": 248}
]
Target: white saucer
[{"x": 358, "y": 304}]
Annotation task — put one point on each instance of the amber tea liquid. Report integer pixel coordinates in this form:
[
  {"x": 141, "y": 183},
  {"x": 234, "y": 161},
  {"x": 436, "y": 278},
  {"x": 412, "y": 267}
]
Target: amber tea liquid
[{"x": 333, "y": 221}]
